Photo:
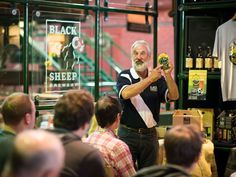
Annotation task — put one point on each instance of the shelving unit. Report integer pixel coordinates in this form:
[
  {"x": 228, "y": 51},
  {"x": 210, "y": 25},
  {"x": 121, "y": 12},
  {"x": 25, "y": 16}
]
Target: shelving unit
[
  {"x": 197, "y": 9},
  {"x": 222, "y": 11}
]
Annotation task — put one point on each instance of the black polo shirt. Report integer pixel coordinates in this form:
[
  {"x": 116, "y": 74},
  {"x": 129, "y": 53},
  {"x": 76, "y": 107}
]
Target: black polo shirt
[{"x": 151, "y": 97}]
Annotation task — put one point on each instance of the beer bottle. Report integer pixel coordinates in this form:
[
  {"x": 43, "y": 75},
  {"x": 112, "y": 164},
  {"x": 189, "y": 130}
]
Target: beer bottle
[
  {"x": 208, "y": 59},
  {"x": 199, "y": 59},
  {"x": 189, "y": 59},
  {"x": 216, "y": 64}
]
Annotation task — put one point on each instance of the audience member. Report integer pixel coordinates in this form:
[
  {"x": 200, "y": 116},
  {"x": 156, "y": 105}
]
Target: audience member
[
  {"x": 18, "y": 111},
  {"x": 36, "y": 153},
  {"x": 205, "y": 166},
  {"x": 183, "y": 148},
  {"x": 73, "y": 113},
  {"x": 115, "y": 152}
]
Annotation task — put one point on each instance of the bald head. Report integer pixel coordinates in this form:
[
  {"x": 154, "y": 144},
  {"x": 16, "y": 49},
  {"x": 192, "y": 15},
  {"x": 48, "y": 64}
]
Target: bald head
[{"x": 36, "y": 153}]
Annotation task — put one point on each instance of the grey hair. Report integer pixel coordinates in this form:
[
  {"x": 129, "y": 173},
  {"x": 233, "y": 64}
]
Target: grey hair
[{"x": 141, "y": 42}]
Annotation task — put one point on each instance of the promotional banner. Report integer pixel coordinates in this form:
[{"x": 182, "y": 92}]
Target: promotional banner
[
  {"x": 197, "y": 84},
  {"x": 63, "y": 45}
]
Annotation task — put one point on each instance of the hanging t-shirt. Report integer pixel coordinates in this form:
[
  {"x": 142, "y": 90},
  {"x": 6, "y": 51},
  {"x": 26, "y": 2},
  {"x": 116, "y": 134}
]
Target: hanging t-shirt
[{"x": 225, "y": 50}]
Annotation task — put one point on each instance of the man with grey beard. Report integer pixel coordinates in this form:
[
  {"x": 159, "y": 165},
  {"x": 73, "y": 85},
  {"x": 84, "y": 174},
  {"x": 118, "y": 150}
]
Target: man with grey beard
[{"x": 140, "y": 92}]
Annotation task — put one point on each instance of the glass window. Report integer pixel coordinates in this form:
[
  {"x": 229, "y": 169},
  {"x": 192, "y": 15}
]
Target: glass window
[
  {"x": 62, "y": 54},
  {"x": 10, "y": 52}
]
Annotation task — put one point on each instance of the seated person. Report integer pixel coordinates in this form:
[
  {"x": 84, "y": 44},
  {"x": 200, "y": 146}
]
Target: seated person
[
  {"x": 205, "y": 166},
  {"x": 182, "y": 148},
  {"x": 36, "y": 153},
  {"x": 16, "y": 120},
  {"x": 73, "y": 113},
  {"x": 115, "y": 152}
]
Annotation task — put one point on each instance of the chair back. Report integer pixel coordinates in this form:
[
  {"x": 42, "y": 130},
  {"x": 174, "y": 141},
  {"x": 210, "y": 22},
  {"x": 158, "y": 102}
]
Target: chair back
[{"x": 231, "y": 163}]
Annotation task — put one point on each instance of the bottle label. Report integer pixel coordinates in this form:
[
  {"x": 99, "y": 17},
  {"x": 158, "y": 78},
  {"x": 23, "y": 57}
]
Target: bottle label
[
  {"x": 163, "y": 59},
  {"x": 225, "y": 134},
  {"x": 229, "y": 135},
  {"x": 189, "y": 63},
  {"x": 199, "y": 63},
  {"x": 216, "y": 63},
  {"x": 208, "y": 63},
  {"x": 219, "y": 64}
]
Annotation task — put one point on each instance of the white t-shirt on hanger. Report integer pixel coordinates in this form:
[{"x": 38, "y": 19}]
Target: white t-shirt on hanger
[{"x": 224, "y": 49}]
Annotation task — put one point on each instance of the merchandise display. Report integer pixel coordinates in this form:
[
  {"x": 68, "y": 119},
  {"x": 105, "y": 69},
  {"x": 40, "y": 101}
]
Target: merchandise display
[
  {"x": 225, "y": 50},
  {"x": 208, "y": 64},
  {"x": 189, "y": 58},
  {"x": 226, "y": 127},
  {"x": 206, "y": 42},
  {"x": 208, "y": 122},
  {"x": 199, "y": 59},
  {"x": 163, "y": 59}
]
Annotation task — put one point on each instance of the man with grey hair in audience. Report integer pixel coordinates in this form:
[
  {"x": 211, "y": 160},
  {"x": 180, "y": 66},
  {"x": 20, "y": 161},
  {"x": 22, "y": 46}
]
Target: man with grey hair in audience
[{"x": 36, "y": 153}]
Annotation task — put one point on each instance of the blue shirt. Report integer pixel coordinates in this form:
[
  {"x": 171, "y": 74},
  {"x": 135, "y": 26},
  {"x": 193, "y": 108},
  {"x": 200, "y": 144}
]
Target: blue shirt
[{"x": 152, "y": 96}]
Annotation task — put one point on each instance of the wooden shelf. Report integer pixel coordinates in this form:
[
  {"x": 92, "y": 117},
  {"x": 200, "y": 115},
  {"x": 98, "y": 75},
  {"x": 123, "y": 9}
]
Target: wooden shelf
[{"x": 210, "y": 75}]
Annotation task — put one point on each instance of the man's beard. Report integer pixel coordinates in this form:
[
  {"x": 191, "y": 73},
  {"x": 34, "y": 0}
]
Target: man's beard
[{"x": 139, "y": 65}]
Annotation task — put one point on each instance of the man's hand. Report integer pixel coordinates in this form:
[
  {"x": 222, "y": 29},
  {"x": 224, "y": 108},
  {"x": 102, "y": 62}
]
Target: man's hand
[
  {"x": 155, "y": 74},
  {"x": 169, "y": 70}
]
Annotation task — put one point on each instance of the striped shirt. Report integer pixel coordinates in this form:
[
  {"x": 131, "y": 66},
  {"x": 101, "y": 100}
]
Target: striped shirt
[{"x": 142, "y": 110}]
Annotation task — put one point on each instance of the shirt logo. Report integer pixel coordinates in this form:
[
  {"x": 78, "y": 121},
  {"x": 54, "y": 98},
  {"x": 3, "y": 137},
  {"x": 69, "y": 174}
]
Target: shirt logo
[
  {"x": 153, "y": 88},
  {"x": 232, "y": 51}
]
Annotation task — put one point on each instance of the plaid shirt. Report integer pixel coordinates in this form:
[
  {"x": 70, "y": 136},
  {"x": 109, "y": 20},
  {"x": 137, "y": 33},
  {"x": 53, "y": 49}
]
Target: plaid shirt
[{"x": 115, "y": 152}]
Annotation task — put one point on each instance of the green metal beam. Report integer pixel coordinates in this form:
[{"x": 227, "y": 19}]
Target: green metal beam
[
  {"x": 26, "y": 48},
  {"x": 155, "y": 36},
  {"x": 97, "y": 50},
  {"x": 207, "y": 5},
  {"x": 82, "y": 6}
]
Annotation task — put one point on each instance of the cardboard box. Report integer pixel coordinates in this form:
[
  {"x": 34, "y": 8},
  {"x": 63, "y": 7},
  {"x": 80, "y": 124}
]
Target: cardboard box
[
  {"x": 186, "y": 117},
  {"x": 208, "y": 122}
]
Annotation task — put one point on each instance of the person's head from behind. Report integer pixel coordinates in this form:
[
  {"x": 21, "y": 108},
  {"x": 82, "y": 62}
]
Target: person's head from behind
[
  {"x": 183, "y": 146},
  {"x": 18, "y": 111},
  {"x": 108, "y": 111},
  {"x": 36, "y": 153},
  {"x": 140, "y": 55},
  {"x": 74, "y": 110}
]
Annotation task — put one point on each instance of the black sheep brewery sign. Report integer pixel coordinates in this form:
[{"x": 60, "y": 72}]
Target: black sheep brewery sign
[{"x": 64, "y": 47}]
